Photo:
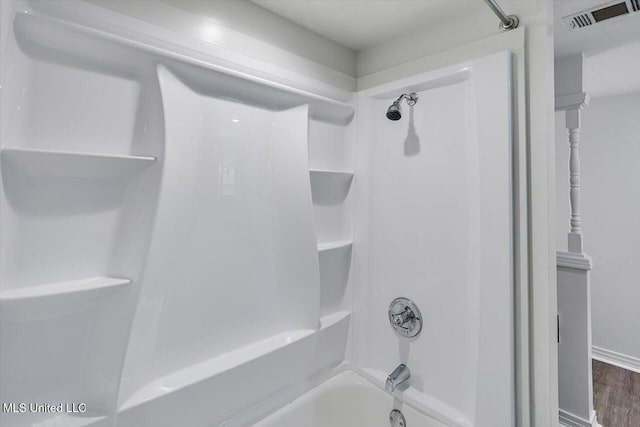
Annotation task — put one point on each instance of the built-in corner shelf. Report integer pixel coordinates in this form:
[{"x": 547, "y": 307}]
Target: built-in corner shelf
[
  {"x": 72, "y": 164},
  {"x": 329, "y": 187},
  {"x": 329, "y": 246},
  {"x": 54, "y": 299},
  {"x": 328, "y": 173},
  {"x": 340, "y": 316},
  {"x": 215, "y": 372}
]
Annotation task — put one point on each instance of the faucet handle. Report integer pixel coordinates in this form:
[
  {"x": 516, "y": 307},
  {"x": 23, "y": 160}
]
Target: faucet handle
[{"x": 405, "y": 317}]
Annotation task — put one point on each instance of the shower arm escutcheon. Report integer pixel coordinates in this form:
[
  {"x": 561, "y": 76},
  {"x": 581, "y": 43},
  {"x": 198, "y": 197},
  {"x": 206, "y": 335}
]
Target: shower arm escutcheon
[
  {"x": 412, "y": 99},
  {"x": 507, "y": 22}
]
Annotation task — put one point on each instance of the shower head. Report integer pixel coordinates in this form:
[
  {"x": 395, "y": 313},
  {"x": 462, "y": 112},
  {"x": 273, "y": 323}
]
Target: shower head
[{"x": 394, "y": 112}]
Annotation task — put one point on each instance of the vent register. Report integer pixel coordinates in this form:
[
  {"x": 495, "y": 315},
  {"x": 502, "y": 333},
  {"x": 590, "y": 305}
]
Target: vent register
[{"x": 586, "y": 18}]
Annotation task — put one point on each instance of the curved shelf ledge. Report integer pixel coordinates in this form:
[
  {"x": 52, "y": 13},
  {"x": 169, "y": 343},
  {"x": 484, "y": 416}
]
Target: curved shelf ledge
[
  {"x": 215, "y": 369},
  {"x": 51, "y": 300},
  {"x": 265, "y": 89},
  {"x": 209, "y": 374},
  {"x": 329, "y": 246},
  {"x": 329, "y": 187},
  {"x": 47, "y": 163},
  {"x": 335, "y": 318},
  {"x": 326, "y": 173}
]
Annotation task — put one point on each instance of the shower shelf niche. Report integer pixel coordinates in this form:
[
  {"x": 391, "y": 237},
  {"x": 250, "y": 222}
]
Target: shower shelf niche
[
  {"x": 338, "y": 244},
  {"x": 330, "y": 187},
  {"x": 55, "y": 299},
  {"x": 331, "y": 175},
  {"x": 45, "y": 163}
]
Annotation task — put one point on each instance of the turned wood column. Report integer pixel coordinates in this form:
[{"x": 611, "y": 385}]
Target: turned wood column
[
  {"x": 571, "y": 105},
  {"x": 575, "y": 232},
  {"x": 575, "y": 389}
]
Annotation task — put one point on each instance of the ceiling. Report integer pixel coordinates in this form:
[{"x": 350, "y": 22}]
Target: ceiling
[
  {"x": 359, "y": 24},
  {"x": 597, "y": 38}
]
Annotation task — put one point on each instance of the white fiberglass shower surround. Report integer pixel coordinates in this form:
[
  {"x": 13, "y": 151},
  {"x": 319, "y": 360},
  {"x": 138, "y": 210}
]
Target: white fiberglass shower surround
[{"x": 184, "y": 245}]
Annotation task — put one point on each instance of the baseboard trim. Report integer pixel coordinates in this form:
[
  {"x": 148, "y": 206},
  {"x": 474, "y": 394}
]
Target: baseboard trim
[
  {"x": 617, "y": 359},
  {"x": 568, "y": 419}
]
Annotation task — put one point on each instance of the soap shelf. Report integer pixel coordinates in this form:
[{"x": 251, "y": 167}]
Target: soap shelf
[
  {"x": 329, "y": 246},
  {"x": 335, "y": 318},
  {"x": 55, "y": 299},
  {"x": 72, "y": 164},
  {"x": 325, "y": 173},
  {"x": 329, "y": 187}
]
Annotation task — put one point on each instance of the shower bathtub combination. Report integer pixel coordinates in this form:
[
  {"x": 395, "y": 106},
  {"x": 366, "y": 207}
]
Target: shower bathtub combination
[{"x": 186, "y": 242}]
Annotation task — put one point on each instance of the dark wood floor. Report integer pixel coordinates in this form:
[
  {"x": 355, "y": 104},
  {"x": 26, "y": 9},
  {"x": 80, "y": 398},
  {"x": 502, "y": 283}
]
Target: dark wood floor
[{"x": 616, "y": 395}]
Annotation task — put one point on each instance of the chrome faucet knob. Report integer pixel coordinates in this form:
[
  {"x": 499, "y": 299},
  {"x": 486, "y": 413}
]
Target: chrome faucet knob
[{"x": 405, "y": 317}]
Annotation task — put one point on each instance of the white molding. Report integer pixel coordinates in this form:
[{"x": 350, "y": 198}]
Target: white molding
[
  {"x": 573, "y": 101},
  {"x": 574, "y": 260},
  {"x": 150, "y": 30},
  {"x": 617, "y": 359},
  {"x": 570, "y": 420}
]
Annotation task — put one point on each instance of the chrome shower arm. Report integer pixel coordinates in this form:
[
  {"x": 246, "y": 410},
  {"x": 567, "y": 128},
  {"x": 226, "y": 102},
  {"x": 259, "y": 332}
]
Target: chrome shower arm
[
  {"x": 412, "y": 98},
  {"x": 507, "y": 22}
]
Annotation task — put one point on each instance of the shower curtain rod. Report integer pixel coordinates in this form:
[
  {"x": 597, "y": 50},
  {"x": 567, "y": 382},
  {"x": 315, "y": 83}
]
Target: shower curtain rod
[{"x": 507, "y": 22}]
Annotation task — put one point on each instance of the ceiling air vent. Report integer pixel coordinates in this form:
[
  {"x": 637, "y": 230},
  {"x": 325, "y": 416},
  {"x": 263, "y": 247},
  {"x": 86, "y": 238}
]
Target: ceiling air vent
[
  {"x": 581, "y": 21},
  {"x": 586, "y": 18}
]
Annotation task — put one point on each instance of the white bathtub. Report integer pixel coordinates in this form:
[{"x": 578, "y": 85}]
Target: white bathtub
[{"x": 346, "y": 400}]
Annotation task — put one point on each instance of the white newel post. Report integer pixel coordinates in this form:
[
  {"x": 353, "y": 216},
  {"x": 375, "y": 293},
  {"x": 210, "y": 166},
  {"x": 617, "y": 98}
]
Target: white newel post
[
  {"x": 575, "y": 387},
  {"x": 572, "y": 118}
]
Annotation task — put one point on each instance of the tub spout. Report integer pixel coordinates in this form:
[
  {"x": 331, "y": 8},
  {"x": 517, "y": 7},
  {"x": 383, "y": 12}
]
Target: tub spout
[{"x": 399, "y": 376}]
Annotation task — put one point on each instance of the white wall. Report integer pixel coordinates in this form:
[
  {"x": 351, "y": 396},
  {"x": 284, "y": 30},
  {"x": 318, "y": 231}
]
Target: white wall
[
  {"x": 603, "y": 79},
  {"x": 610, "y": 157}
]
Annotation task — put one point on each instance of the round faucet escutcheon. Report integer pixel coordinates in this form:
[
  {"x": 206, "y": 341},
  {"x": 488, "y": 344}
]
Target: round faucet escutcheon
[{"x": 405, "y": 317}]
